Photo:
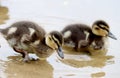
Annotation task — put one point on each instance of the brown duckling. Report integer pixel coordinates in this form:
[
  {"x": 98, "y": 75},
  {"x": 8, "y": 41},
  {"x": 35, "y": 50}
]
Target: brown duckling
[
  {"x": 27, "y": 37},
  {"x": 83, "y": 36},
  {"x": 76, "y": 34}
]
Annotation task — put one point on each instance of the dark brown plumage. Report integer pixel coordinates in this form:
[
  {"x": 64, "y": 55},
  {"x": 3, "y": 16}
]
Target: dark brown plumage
[
  {"x": 84, "y": 36},
  {"x": 76, "y": 34}
]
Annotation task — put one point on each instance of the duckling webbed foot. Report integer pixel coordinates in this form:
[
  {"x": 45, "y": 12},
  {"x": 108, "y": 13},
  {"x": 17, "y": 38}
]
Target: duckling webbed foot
[
  {"x": 26, "y": 58},
  {"x": 97, "y": 47},
  {"x": 33, "y": 57}
]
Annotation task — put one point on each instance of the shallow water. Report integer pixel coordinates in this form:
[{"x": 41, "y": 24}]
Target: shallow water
[{"x": 54, "y": 15}]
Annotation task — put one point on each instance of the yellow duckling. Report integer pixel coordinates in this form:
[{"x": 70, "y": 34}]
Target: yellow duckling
[{"x": 27, "y": 37}]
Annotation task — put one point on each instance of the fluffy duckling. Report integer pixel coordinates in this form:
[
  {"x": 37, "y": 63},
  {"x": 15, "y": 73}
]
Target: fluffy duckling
[
  {"x": 76, "y": 34},
  {"x": 27, "y": 37},
  {"x": 83, "y": 36},
  {"x": 101, "y": 32}
]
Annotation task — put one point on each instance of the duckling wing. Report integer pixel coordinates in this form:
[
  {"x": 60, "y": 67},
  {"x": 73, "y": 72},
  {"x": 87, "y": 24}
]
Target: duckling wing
[{"x": 76, "y": 33}]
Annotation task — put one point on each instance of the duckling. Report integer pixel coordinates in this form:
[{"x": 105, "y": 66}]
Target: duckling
[
  {"x": 83, "y": 36},
  {"x": 27, "y": 37},
  {"x": 100, "y": 34},
  {"x": 76, "y": 34}
]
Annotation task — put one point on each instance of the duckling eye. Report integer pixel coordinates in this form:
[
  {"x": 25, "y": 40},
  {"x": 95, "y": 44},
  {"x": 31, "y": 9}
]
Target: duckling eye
[
  {"x": 50, "y": 39},
  {"x": 56, "y": 42},
  {"x": 97, "y": 28}
]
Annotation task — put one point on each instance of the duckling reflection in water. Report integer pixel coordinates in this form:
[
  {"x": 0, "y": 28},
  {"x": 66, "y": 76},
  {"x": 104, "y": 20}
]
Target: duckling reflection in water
[
  {"x": 27, "y": 37},
  {"x": 86, "y": 38}
]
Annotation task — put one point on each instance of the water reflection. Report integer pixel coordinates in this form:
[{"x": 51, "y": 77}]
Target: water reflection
[
  {"x": 36, "y": 69},
  {"x": 3, "y": 14},
  {"x": 82, "y": 59},
  {"x": 98, "y": 75}
]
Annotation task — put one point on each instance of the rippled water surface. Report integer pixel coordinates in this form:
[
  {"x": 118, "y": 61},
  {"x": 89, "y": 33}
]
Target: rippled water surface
[{"x": 54, "y": 15}]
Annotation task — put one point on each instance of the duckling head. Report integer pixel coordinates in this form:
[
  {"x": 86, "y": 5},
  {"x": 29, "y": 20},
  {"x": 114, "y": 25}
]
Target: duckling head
[
  {"x": 55, "y": 41},
  {"x": 101, "y": 28}
]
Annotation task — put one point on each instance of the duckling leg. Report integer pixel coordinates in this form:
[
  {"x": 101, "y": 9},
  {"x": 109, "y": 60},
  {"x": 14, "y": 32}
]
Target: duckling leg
[
  {"x": 19, "y": 51},
  {"x": 24, "y": 54},
  {"x": 26, "y": 58},
  {"x": 77, "y": 45},
  {"x": 82, "y": 43}
]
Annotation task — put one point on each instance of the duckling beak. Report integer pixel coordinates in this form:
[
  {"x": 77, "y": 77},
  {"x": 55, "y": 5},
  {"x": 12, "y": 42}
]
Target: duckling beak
[
  {"x": 112, "y": 36},
  {"x": 60, "y": 52}
]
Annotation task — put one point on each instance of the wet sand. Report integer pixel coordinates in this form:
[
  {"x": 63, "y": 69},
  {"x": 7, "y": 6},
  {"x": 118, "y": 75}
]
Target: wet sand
[{"x": 95, "y": 60}]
